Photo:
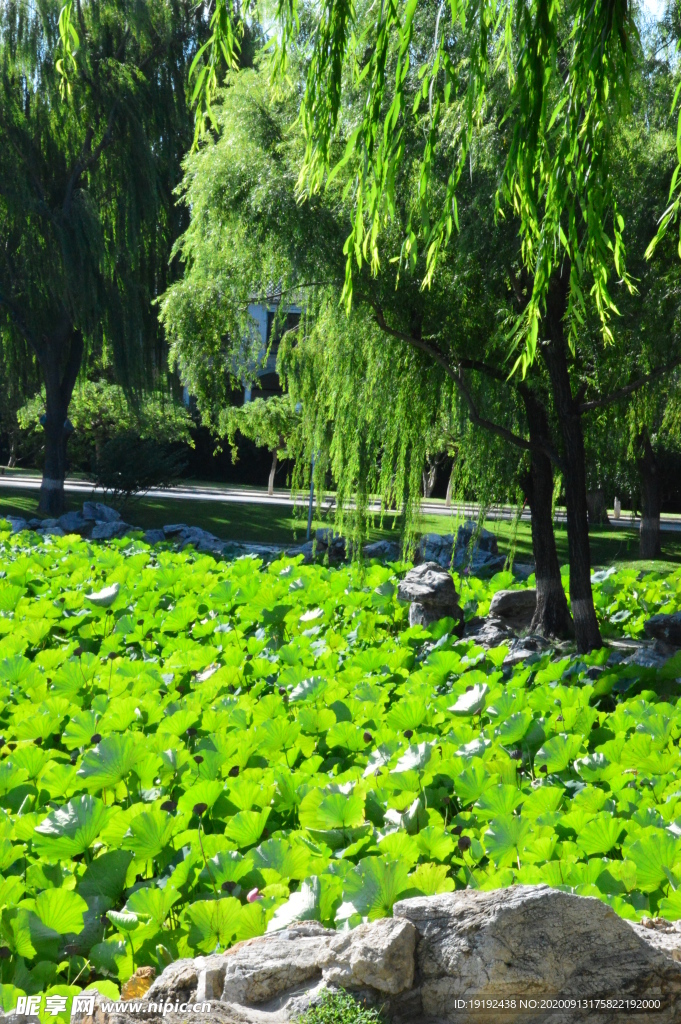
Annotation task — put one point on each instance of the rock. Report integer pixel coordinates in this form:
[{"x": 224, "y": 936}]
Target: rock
[
  {"x": 436, "y": 954},
  {"x": 154, "y": 536},
  {"x": 51, "y": 531},
  {"x": 447, "y": 552},
  {"x": 107, "y": 531},
  {"x": 35, "y": 523},
  {"x": 384, "y": 550},
  {"x": 666, "y": 626},
  {"x": 306, "y": 550},
  {"x": 436, "y": 547},
  {"x": 663, "y": 935},
  {"x": 537, "y": 943},
  {"x": 99, "y": 512},
  {"x": 200, "y": 539},
  {"x": 74, "y": 522},
  {"x": 514, "y": 607},
  {"x": 48, "y": 524},
  {"x": 477, "y": 549},
  {"x": 485, "y": 540},
  {"x": 18, "y": 523},
  {"x": 279, "y": 974},
  {"x": 523, "y": 570},
  {"x": 488, "y": 632},
  {"x": 379, "y": 955},
  {"x": 650, "y": 655},
  {"x": 173, "y": 529},
  {"x": 431, "y": 591},
  {"x": 524, "y": 648},
  {"x": 330, "y": 543}
]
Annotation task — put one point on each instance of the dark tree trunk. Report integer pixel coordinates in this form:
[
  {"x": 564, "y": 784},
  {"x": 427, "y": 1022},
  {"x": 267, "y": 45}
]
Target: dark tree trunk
[
  {"x": 552, "y": 616},
  {"x": 273, "y": 470},
  {"x": 554, "y": 352},
  {"x": 650, "y": 501},
  {"x": 596, "y": 507},
  {"x": 60, "y": 362}
]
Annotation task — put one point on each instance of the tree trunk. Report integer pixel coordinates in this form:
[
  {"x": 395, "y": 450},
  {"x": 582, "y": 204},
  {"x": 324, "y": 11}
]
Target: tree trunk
[
  {"x": 650, "y": 501},
  {"x": 429, "y": 476},
  {"x": 551, "y": 616},
  {"x": 450, "y": 488},
  {"x": 273, "y": 470},
  {"x": 596, "y": 507},
  {"x": 60, "y": 362},
  {"x": 587, "y": 633}
]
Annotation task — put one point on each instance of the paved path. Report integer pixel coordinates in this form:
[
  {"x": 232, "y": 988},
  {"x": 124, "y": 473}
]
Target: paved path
[{"x": 253, "y": 496}]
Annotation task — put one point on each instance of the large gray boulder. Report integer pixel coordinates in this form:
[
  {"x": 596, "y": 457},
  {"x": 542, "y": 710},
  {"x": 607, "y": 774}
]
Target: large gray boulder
[
  {"x": 665, "y": 627},
  {"x": 432, "y": 594},
  {"x": 110, "y": 530},
  {"x": 100, "y": 512},
  {"x": 535, "y": 943},
  {"x": 17, "y": 523},
  {"x": 544, "y": 955},
  {"x": 385, "y": 550},
  {"x": 476, "y": 548},
  {"x": 473, "y": 548},
  {"x": 514, "y": 607},
  {"x": 76, "y": 522}
]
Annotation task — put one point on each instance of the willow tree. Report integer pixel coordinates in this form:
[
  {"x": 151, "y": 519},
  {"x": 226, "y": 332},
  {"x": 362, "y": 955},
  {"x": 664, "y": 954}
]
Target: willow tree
[
  {"x": 408, "y": 363},
  {"x": 91, "y": 139}
]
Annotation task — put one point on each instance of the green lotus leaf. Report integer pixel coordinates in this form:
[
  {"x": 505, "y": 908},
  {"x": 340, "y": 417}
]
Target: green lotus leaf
[
  {"x": 472, "y": 701},
  {"x": 434, "y": 843},
  {"x": 322, "y": 809},
  {"x": 104, "y": 877},
  {"x": 104, "y": 598},
  {"x": 512, "y": 729},
  {"x": 408, "y": 713},
  {"x": 557, "y": 753},
  {"x": 372, "y": 888},
  {"x": 152, "y": 903},
  {"x": 505, "y": 837},
  {"x": 111, "y": 761},
  {"x": 403, "y": 847},
  {"x": 415, "y": 757},
  {"x": 278, "y": 858},
  {"x": 432, "y": 878},
  {"x": 61, "y": 910},
  {"x": 205, "y": 792},
  {"x": 214, "y": 923},
  {"x": 599, "y": 835},
  {"x": 246, "y": 827},
  {"x": 303, "y": 905},
  {"x": 225, "y": 866},
  {"x": 656, "y": 858},
  {"x": 72, "y": 829},
  {"x": 149, "y": 833},
  {"x": 472, "y": 782},
  {"x": 499, "y": 800}
]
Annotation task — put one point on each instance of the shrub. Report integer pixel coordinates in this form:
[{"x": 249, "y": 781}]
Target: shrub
[
  {"x": 340, "y": 1008},
  {"x": 128, "y": 465}
]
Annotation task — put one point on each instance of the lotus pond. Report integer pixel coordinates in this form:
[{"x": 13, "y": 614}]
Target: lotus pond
[{"x": 194, "y": 751}]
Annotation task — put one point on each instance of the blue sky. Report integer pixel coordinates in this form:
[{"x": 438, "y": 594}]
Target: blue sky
[{"x": 655, "y": 7}]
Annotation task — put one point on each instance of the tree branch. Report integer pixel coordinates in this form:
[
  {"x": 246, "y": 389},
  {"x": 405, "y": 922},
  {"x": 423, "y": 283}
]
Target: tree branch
[
  {"x": 88, "y": 158},
  {"x": 628, "y": 389},
  {"x": 456, "y": 375}
]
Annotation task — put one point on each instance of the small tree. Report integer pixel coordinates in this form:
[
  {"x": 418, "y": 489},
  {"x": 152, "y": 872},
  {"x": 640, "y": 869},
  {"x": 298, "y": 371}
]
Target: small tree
[
  {"x": 100, "y": 412},
  {"x": 269, "y": 423}
]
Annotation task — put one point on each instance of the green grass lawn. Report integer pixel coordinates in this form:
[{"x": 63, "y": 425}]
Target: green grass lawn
[{"x": 283, "y": 525}]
